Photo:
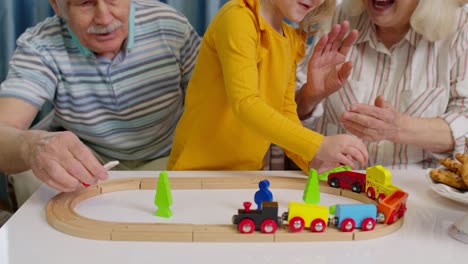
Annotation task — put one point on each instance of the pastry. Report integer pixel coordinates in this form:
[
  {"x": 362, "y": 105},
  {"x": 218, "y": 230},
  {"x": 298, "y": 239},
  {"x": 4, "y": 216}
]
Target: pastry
[
  {"x": 451, "y": 164},
  {"x": 449, "y": 178},
  {"x": 463, "y": 171}
]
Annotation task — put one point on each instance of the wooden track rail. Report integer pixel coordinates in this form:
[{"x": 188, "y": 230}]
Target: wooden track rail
[{"x": 61, "y": 215}]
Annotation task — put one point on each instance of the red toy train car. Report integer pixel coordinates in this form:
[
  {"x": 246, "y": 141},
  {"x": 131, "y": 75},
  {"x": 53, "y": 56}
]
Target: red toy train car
[
  {"x": 376, "y": 182},
  {"x": 355, "y": 181}
]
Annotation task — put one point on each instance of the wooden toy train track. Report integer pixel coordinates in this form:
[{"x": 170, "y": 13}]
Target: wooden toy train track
[{"x": 61, "y": 215}]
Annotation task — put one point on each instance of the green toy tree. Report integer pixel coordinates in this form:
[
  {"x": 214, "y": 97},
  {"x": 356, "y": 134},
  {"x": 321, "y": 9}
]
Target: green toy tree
[
  {"x": 312, "y": 189},
  {"x": 324, "y": 175},
  {"x": 163, "y": 197}
]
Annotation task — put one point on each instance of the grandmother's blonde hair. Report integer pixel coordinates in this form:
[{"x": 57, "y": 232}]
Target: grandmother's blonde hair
[
  {"x": 315, "y": 18},
  {"x": 433, "y": 19}
]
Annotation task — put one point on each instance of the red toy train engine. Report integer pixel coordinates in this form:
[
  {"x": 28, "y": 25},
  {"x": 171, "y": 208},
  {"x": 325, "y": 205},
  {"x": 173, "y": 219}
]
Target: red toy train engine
[{"x": 265, "y": 220}]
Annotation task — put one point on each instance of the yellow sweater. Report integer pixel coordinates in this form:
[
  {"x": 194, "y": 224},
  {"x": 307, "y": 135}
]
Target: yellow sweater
[{"x": 240, "y": 98}]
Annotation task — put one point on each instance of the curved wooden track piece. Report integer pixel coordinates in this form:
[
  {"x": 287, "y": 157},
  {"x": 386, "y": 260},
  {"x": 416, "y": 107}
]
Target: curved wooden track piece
[{"x": 61, "y": 215}]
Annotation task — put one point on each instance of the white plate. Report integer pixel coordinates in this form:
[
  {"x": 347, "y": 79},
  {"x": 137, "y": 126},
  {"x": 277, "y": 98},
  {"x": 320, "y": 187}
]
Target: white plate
[{"x": 447, "y": 191}]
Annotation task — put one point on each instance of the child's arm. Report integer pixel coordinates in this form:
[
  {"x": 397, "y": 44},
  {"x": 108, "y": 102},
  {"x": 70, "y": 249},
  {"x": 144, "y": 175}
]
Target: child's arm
[
  {"x": 290, "y": 111},
  {"x": 236, "y": 43},
  {"x": 333, "y": 149}
]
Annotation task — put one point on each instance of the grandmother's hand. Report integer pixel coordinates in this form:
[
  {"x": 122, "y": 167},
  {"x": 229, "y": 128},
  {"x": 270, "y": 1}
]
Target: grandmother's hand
[
  {"x": 373, "y": 123},
  {"x": 328, "y": 70}
]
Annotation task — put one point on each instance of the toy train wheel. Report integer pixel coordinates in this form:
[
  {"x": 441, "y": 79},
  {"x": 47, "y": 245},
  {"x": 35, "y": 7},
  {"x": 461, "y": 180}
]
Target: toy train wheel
[
  {"x": 268, "y": 226},
  {"x": 355, "y": 187},
  {"x": 381, "y": 197},
  {"x": 347, "y": 225},
  {"x": 393, "y": 217},
  {"x": 334, "y": 182},
  {"x": 296, "y": 224},
  {"x": 370, "y": 193},
  {"x": 318, "y": 225},
  {"x": 402, "y": 210},
  {"x": 368, "y": 224},
  {"x": 246, "y": 226}
]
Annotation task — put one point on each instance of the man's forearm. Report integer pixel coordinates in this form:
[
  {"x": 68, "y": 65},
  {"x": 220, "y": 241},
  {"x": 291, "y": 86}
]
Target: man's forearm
[
  {"x": 13, "y": 145},
  {"x": 431, "y": 134}
]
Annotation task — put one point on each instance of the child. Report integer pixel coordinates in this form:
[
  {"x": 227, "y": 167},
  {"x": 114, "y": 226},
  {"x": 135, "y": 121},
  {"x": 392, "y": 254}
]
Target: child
[{"x": 240, "y": 98}]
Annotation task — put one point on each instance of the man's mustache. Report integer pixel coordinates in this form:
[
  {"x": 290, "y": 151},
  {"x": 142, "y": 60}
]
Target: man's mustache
[{"x": 94, "y": 29}]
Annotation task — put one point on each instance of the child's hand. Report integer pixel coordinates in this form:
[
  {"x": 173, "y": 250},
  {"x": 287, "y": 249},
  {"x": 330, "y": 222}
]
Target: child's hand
[
  {"x": 343, "y": 149},
  {"x": 321, "y": 166}
]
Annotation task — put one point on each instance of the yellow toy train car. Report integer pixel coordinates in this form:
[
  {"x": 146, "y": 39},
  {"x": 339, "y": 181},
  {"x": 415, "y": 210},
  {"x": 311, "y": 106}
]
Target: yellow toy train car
[{"x": 301, "y": 215}]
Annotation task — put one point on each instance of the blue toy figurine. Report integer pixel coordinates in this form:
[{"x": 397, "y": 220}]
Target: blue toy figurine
[{"x": 264, "y": 194}]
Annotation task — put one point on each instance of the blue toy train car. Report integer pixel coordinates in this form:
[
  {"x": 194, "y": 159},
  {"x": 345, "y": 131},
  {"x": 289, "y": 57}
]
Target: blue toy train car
[{"x": 350, "y": 216}]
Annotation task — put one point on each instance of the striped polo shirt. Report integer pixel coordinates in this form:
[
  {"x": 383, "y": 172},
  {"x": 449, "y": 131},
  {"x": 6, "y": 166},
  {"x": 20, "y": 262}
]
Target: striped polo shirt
[
  {"x": 126, "y": 108},
  {"x": 418, "y": 77}
]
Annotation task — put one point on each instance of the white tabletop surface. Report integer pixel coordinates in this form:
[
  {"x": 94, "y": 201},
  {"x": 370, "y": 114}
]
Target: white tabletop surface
[{"x": 27, "y": 237}]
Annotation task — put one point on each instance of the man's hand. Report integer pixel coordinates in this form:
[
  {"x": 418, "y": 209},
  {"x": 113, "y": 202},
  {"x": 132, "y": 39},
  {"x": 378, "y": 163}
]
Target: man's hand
[
  {"x": 61, "y": 160},
  {"x": 373, "y": 123}
]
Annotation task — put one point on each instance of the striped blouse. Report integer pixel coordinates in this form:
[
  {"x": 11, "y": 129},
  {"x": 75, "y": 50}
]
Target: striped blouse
[
  {"x": 126, "y": 108},
  {"x": 420, "y": 78}
]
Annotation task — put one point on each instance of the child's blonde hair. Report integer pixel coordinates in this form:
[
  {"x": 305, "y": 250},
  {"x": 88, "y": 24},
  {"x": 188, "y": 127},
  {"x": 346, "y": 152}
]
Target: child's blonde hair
[
  {"x": 433, "y": 19},
  {"x": 314, "y": 19}
]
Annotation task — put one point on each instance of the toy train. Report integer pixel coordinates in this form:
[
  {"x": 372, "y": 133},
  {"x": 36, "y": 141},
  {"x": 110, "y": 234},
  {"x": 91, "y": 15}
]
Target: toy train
[
  {"x": 346, "y": 217},
  {"x": 265, "y": 220},
  {"x": 376, "y": 182}
]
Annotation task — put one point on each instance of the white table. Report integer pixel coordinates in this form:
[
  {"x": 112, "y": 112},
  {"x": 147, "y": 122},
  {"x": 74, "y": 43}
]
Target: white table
[{"x": 27, "y": 237}]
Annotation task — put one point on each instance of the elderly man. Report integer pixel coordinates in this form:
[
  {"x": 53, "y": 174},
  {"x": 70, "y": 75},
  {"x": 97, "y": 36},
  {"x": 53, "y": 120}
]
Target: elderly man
[{"x": 116, "y": 73}]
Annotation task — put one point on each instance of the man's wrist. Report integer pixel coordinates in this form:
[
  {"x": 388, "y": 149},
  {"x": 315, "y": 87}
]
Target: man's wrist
[{"x": 26, "y": 139}]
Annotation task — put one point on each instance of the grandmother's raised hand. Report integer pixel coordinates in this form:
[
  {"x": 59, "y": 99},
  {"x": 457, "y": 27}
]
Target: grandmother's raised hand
[
  {"x": 328, "y": 70},
  {"x": 373, "y": 123}
]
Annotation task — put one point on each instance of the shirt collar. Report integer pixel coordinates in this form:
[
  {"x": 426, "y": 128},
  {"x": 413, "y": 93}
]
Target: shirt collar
[
  {"x": 413, "y": 37},
  {"x": 129, "y": 42}
]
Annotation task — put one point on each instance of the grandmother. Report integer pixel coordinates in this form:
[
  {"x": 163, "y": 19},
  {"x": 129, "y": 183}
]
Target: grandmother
[{"x": 406, "y": 94}]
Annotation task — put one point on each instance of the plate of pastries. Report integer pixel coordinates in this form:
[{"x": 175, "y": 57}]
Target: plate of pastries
[{"x": 451, "y": 178}]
